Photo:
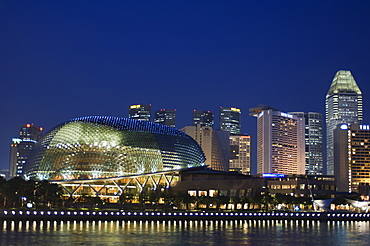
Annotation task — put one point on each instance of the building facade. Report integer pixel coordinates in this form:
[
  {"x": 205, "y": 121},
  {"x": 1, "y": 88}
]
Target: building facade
[
  {"x": 21, "y": 147},
  {"x": 214, "y": 143},
  {"x": 203, "y": 118},
  {"x": 165, "y": 117},
  {"x": 240, "y": 153},
  {"x": 140, "y": 112},
  {"x": 313, "y": 142},
  {"x": 96, "y": 147},
  {"x": 310, "y": 186},
  {"x": 352, "y": 156},
  {"x": 280, "y": 142},
  {"x": 230, "y": 119},
  {"x": 343, "y": 106}
]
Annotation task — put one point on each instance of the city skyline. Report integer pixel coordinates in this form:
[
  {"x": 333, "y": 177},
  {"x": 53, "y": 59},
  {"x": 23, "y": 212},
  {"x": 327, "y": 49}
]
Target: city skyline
[{"x": 66, "y": 60}]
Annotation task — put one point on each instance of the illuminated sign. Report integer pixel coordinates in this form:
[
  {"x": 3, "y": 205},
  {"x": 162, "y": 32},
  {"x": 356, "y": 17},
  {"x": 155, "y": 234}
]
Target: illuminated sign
[
  {"x": 29, "y": 140},
  {"x": 286, "y": 115},
  {"x": 273, "y": 175},
  {"x": 16, "y": 140},
  {"x": 235, "y": 109},
  {"x": 364, "y": 127},
  {"x": 135, "y": 106},
  {"x": 344, "y": 127}
]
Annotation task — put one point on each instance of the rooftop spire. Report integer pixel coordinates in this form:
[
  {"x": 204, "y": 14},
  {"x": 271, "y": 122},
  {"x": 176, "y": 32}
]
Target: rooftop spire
[{"x": 344, "y": 82}]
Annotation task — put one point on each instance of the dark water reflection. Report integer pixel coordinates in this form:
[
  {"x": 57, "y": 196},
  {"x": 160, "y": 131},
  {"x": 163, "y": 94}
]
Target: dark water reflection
[{"x": 185, "y": 233}]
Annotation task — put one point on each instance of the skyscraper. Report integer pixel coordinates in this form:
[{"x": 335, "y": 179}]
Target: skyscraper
[
  {"x": 214, "y": 143},
  {"x": 140, "y": 112},
  {"x": 351, "y": 157},
  {"x": 240, "y": 153},
  {"x": 313, "y": 142},
  {"x": 165, "y": 117},
  {"x": 30, "y": 132},
  {"x": 203, "y": 118},
  {"x": 21, "y": 147},
  {"x": 280, "y": 142},
  {"x": 230, "y": 119},
  {"x": 343, "y": 105}
]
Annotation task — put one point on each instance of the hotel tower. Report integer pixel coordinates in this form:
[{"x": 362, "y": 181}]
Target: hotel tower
[
  {"x": 280, "y": 141},
  {"x": 343, "y": 106}
]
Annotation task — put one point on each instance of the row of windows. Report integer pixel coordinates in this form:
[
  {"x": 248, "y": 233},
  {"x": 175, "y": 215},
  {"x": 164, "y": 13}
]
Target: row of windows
[{"x": 301, "y": 187}]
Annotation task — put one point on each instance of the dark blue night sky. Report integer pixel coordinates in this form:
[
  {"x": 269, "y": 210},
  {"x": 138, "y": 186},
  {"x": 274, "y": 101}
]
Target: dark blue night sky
[{"x": 65, "y": 59}]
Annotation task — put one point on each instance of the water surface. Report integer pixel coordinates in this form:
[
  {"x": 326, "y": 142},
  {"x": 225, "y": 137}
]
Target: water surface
[{"x": 185, "y": 233}]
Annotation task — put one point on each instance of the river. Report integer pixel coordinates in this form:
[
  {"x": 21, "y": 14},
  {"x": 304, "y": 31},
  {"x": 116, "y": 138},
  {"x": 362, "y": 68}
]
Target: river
[{"x": 180, "y": 233}]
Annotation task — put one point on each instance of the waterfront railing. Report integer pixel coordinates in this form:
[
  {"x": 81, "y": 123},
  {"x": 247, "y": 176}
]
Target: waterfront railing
[{"x": 55, "y": 215}]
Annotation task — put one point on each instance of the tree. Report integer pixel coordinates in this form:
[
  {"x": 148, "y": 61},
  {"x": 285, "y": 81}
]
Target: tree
[
  {"x": 280, "y": 198},
  {"x": 3, "y": 187},
  {"x": 235, "y": 200},
  {"x": 203, "y": 200},
  {"x": 47, "y": 194},
  {"x": 221, "y": 200},
  {"x": 256, "y": 200},
  {"x": 183, "y": 198},
  {"x": 18, "y": 191},
  {"x": 244, "y": 200},
  {"x": 267, "y": 200}
]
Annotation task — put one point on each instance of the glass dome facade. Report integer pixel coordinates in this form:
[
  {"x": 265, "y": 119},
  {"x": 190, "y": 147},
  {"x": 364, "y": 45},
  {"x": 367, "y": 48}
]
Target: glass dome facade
[{"x": 94, "y": 147}]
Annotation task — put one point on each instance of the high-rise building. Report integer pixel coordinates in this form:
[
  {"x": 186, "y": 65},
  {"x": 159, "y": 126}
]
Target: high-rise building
[
  {"x": 230, "y": 119},
  {"x": 140, "y": 112},
  {"x": 21, "y": 147},
  {"x": 30, "y": 132},
  {"x": 214, "y": 143},
  {"x": 313, "y": 142},
  {"x": 165, "y": 117},
  {"x": 280, "y": 142},
  {"x": 343, "y": 106},
  {"x": 351, "y": 156},
  {"x": 240, "y": 153},
  {"x": 203, "y": 118}
]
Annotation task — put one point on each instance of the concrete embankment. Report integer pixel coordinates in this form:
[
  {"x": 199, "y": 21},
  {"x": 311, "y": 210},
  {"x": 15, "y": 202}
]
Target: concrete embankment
[{"x": 81, "y": 215}]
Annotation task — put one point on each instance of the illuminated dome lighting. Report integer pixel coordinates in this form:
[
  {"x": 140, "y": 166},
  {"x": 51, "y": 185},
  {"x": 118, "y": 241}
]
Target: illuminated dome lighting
[{"x": 94, "y": 147}]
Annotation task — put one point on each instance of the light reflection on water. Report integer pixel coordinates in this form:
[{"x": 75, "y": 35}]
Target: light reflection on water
[{"x": 184, "y": 233}]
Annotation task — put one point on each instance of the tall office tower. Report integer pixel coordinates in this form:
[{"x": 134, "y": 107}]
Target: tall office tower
[
  {"x": 203, "y": 118},
  {"x": 165, "y": 117},
  {"x": 30, "y": 132},
  {"x": 313, "y": 142},
  {"x": 280, "y": 142},
  {"x": 343, "y": 105},
  {"x": 351, "y": 157},
  {"x": 230, "y": 119},
  {"x": 21, "y": 147},
  {"x": 140, "y": 112},
  {"x": 214, "y": 143},
  {"x": 240, "y": 153}
]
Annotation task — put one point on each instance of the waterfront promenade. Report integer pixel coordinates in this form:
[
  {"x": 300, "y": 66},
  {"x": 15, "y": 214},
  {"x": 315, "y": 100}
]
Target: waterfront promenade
[{"x": 92, "y": 215}]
